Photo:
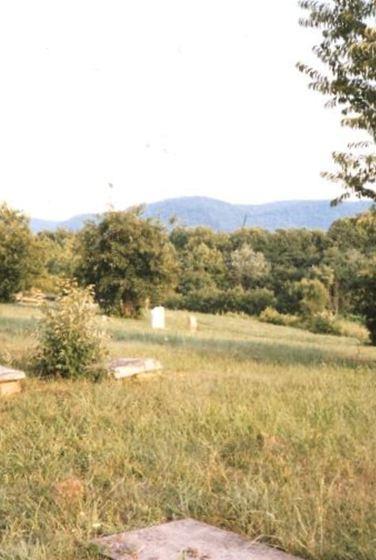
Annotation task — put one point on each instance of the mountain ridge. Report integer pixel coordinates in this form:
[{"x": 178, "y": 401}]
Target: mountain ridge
[{"x": 219, "y": 215}]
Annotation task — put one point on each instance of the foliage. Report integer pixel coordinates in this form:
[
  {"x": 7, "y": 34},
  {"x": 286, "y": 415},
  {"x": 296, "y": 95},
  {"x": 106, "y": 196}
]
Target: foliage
[
  {"x": 323, "y": 323},
  {"x": 348, "y": 50},
  {"x": 17, "y": 253},
  {"x": 365, "y": 294},
  {"x": 272, "y": 316},
  {"x": 314, "y": 296},
  {"x": 203, "y": 268},
  {"x": 201, "y": 253},
  {"x": 128, "y": 260},
  {"x": 320, "y": 323},
  {"x": 57, "y": 252},
  {"x": 70, "y": 343},
  {"x": 305, "y": 272},
  {"x": 248, "y": 266},
  {"x": 251, "y": 302}
]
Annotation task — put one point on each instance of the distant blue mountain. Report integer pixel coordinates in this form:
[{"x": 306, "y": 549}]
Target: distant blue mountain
[{"x": 223, "y": 216}]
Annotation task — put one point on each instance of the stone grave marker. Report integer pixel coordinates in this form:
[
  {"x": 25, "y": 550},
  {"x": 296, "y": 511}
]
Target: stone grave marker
[
  {"x": 185, "y": 540},
  {"x": 193, "y": 325},
  {"x": 158, "y": 318},
  {"x": 129, "y": 367},
  {"x": 10, "y": 380}
]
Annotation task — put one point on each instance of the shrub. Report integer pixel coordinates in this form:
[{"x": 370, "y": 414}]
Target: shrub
[
  {"x": 353, "y": 328},
  {"x": 251, "y": 302},
  {"x": 70, "y": 343},
  {"x": 271, "y": 315},
  {"x": 322, "y": 323}
]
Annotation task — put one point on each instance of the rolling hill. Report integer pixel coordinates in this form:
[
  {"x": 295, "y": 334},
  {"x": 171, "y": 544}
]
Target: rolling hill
[{"x": 224, "y": 216}]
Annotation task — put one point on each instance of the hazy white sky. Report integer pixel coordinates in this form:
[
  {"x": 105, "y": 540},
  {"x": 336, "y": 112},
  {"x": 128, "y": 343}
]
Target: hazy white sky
[{"x": 161, "y": 98}]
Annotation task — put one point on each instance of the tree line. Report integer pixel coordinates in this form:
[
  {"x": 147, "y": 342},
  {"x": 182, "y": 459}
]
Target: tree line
[{"x": 286, "y": 276}]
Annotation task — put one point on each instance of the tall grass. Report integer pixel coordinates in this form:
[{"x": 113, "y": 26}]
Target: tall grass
[{"x": 264, "y": 430}]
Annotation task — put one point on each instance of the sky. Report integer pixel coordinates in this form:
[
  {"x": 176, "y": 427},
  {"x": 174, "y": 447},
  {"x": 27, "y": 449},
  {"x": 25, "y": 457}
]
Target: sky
[{"x": 160, "y": 99}]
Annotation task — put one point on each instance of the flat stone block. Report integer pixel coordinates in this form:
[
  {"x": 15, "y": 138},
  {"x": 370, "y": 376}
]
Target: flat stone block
[
  {"x": 9, "y": 374},
  {"x": 128, "y": 367},
  {"x": 10, "y": 381},
  {"x": 185, "y": 540}
]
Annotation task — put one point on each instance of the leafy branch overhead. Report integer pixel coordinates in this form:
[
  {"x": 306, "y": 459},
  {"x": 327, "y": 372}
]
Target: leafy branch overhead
[{"x": 348, "y": 51}]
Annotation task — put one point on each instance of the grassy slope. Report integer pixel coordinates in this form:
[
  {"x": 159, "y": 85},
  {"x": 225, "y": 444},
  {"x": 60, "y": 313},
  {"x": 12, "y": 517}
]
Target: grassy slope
[{"x": 265, "y": 430}]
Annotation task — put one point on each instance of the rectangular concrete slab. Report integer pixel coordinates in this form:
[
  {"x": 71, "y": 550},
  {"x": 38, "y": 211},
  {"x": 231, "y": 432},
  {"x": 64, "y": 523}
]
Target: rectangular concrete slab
[
  {"x": 128, "y": 367},
  {"x": 10, "y": 381},
  {"x": 185, "y": 540}
]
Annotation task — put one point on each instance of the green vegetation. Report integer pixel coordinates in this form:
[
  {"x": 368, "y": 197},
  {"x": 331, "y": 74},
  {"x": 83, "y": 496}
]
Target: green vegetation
[
  {"x": 265, "y": 430},
  {"x": 309, "y": 274},
  {"x": 133, "y": 262},
  {"x": 70, "y": 343},
  {"x": 58, "y": 252},
  {"x": 128, "y": 260},
  {"x": 17, "y": 253},
  {"x": 348, "y": 51}
]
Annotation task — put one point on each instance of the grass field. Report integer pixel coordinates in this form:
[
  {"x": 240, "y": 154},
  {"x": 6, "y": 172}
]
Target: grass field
[{"x": 265, "y": 430}]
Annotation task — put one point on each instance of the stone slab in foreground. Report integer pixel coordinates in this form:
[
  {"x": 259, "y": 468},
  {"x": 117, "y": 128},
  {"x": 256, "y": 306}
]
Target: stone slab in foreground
[
  {"x": 10, "y": 380},
  {"x": 128, "y": 367},
  {"x": 185, "y": 540}
]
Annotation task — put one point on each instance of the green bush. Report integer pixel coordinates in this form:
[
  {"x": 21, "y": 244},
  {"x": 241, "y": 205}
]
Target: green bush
[
  {"x": 70, "y": 343},
  {"x": 271, "y": 315},
  {"x": 322, "y": 323}
]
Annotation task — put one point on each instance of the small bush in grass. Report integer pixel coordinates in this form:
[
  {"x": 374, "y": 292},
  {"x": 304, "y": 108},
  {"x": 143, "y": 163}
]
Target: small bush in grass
[
  {"x": 70, "y": 343},
  {"x": 322, "y": 323},
  {"x": 271, "y": 315},
  {"x": 353, "y": 328}
]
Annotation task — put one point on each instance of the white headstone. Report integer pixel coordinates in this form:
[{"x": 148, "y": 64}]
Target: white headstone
[
  {"x": 192, "y": 323},
  {"x": 158, "y": 320}
]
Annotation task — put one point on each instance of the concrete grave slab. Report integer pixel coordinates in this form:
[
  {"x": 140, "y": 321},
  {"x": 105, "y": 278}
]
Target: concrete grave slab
[
  {"x": 129, "y": 367},
  {"x": 10, "y": 380},
  {"x": 185, "y": 540}
]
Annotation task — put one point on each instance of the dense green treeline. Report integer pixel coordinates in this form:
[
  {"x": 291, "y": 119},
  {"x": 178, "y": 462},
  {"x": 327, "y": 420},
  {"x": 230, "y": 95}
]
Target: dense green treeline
[
  {"x": 283, "y": 265},
  {"x": 288, "y": 276}
]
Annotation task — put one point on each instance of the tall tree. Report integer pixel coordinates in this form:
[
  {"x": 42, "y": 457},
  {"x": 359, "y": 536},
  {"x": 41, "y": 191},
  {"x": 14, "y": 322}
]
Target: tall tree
[
  {"x": 348, "y": 51},
  {"x": 17, "y": 252},
  {"x": 128, "y": 260}
]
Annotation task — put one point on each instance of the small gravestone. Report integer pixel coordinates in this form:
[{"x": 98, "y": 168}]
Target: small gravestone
[
  {"x": 158, "y": 318},
  {"x": 129, "y": 367},
  {"x": 193, "y": 323},
  {"x": 185, "y": 540},
  {"x": 10, "y": 380}
]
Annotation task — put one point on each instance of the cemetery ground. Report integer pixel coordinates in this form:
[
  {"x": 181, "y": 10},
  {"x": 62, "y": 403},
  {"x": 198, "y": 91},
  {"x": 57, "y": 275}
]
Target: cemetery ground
[{"x": 264, "y": 430}]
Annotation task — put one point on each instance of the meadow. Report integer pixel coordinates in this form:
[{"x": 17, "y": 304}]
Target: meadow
[{"x": 261, "y": 429}]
